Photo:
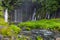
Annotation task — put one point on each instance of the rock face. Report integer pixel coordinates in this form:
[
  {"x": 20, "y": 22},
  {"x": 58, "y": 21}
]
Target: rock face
[
  {"x": 23, "y": 12},
  {"x": 1, "y": 37}
]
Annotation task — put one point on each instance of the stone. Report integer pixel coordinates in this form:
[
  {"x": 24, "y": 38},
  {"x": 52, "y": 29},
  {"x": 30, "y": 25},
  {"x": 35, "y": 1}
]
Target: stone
[
  {"x": 1, "y": 37},
  {"x": 58, "y": 38},
  {"x": 6, "y": 39},
  {"x": 13, "y": 38},
  {"x": 45, "y": 34}
]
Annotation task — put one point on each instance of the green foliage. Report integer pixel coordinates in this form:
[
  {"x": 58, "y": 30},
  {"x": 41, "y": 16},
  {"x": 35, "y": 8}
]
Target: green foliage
[
  {"x": 51, "y": 5},
  {"x": 2, "y": 22},
  {"x": 6, "y": 31},
  {"x": 39, "y": 38},
  {"x": 52, "y": 24},
  {"x": 1, "y": 11},
  {"x": 10, "y": 31},
  {"x": 10, "y": 4},
  {"x": 15, "y": 29},
  {"x": 28, "y": 29},
  {"x": 47, "y": 6}
]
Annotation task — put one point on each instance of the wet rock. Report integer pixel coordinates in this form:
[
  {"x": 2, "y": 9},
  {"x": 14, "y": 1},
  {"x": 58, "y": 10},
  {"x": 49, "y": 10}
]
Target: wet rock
[
  {"x": 45, "y": 34},
  {"x": 58, "y": 38},
  {"x": 19, "y": 36},
  {"x": 13, "y": 38},
  {"x": 1, "y": 37},
  {"x": 25, "y": 33},
  {"x": 6, "y": 39},
  {"x": 33, "y": 37}
]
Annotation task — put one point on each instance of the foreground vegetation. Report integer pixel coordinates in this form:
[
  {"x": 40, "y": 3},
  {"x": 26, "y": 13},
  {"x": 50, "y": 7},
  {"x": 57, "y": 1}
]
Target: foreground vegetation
[
  {"x": 51, "y": 24},
  {"x": 13, "y": 30}
]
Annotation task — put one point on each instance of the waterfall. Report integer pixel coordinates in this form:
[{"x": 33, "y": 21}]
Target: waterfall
[
  {"x": 6, "y": 15},
  {"x": 15, "y": 16},
  {"x": 34, "y": 13},
  {"x": 47, "y": 15}
]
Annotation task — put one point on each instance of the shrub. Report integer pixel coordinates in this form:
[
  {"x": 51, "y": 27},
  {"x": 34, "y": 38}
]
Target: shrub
[
  {"x": 2, "y": 22},
  {"x": 52, "y": 24},
  {"x": 10, "y": 31},
  {"x": 15, "y": 29},
  {"x": 39, "y": 38},
  {"x": 28, "y": 29},
  {"x": 6, "y": 31},
  {"x": 1, "y": 11}
]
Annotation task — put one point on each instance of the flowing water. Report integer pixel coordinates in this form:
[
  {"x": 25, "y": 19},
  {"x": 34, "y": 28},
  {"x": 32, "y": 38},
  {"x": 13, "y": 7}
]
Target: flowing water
[
  {"x": 6, "y": 15},
  {"x": 25, "y": 12},
  {"x": 34, "y": 13}
]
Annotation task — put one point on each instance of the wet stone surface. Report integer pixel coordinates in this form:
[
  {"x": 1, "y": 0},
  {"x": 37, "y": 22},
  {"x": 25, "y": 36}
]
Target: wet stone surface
[
  {"x": 32, "y": 34},
  {"x": 45, "y": 34},
  {"x": 6, "y": 39},
  {"x": 1, "y": 37},
  {"x": 58, "y": 38}
]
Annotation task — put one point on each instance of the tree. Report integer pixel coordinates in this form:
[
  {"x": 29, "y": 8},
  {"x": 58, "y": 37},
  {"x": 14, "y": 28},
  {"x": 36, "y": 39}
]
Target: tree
[
  {"x": 11, "y": 4},
  {"x": 8, "y": 6},
  {"x": 47, "y": 6}
]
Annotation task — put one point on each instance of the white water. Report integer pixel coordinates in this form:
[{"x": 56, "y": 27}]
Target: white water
[
  {"x": 15, "y": 16},
  {"x": 48, "y": 15},
  {"x": 6, "y": 15},
  {"x": 34, "y": 13}
]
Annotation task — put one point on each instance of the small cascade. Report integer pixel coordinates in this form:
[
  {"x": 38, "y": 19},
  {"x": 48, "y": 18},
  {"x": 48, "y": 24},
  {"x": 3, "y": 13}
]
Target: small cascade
[
  {"x": 34, "y": 13},
  {"x": 6, "y": 15},
  {"x": 15, "y": 15},
  {"x": 47, "y": 15}
]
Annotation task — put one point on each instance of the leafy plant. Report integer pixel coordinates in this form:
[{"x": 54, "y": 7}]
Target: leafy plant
[
  {"x": 6, "y": 31},
  {"x": 52, "y": 24},
  {"x": 2, "y": 22},
  {"x": 15, "y": 29},
  {"x": 1, "y": 11},
  {"x": 47, "y": 7},
  {"x": 10, "y": 31},
  {"x": 39, "y": 38},
  {"x": 28, "y": 29}
]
